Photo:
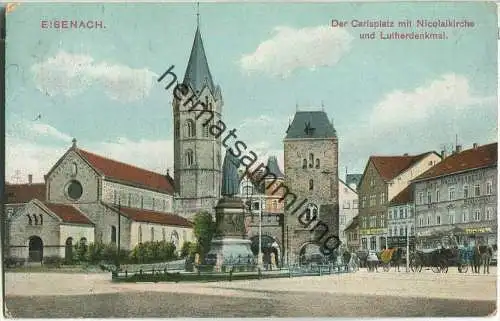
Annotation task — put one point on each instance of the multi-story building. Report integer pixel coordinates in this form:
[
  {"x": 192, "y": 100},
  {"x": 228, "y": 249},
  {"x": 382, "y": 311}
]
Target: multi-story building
[
  {"x": 197, "y": 152},
  {"x": 256, "y": 192},
  {"x": 401, "y": 220},
  {"x": 385, "y": 177},
  {"x": 348, "y": 208},
  {"x": 311, "y": 168},
  {"x": 458, "y": 196},
  {"x": 90, "y": 198}
]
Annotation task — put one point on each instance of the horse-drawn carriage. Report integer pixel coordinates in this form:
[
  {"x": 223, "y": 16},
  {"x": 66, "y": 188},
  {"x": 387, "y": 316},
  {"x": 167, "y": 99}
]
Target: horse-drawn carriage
[
  {"x": 439, "y": 259},
  {"x": 391, "y": 257}
]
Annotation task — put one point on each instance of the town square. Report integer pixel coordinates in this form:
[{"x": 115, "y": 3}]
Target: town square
[{"x": 175, "y": 167}]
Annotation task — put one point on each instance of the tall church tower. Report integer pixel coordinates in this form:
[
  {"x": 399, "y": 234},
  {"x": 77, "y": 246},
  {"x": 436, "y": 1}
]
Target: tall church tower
[
  {"x": 197, "y": 153},
  {"x": 311, "y": 173}
]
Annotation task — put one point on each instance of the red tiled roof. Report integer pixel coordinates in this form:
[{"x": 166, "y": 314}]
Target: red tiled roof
[
  {"x": 480, "y": 157},
  {"x": 404, "y": 197},
  {"x": 23, "y": 193},
  {"x": 391, "y": 166},
  {"x": 147, "y": 216},
  {"x": 127, "y": 173},
  {"x": 68, "y": 213}
]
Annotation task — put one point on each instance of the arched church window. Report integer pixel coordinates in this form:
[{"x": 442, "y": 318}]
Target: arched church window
[
  {"x": 190, "y": 128},
  {"x": 41, "y": 219},
  {"x": 304, "y": 163},
  {"x": 74, "y": 169},
  {"x": 205, "y": 129},
  {"x": 152, "y": 234},
  {"x": 174, "y": 238},
  {"x": 189, "y": 157},
  {"x": 317, "y": 162},
  {"x": 36, "y": 220},
  {"x": 177, "y": 129},
  {"x": 311, "y": 160},
  {"x": 30, "y": 222},
  {"x": 311, "y": 185}
]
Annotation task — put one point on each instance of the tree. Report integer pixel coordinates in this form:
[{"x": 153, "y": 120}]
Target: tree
[{"x": 204, "y": 230}]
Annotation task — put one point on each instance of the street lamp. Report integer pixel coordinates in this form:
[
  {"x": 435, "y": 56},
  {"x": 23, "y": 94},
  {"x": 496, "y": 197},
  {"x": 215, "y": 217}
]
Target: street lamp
[{"x": 250, "y": 206}]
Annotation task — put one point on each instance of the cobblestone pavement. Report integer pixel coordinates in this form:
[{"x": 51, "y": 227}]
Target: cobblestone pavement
[{"x": 359, "y": 294}]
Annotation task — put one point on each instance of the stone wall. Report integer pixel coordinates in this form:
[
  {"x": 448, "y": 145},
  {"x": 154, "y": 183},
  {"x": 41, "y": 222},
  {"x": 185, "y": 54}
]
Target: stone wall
[
  {"x": 59, "y": 178},
  {"x": 324, "y": 193}
]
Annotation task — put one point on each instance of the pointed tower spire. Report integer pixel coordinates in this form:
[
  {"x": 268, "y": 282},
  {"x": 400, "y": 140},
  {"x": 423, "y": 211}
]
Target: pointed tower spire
[
  {"x": 197, "y": 14},
  {"x": 198, "y": 74}
]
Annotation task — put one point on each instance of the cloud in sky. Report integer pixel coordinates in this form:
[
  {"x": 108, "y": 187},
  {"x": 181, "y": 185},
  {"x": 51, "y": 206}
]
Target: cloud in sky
[
  {"x": 25, "y": 155},
  {"x": 450, "y": 92},
  {"x": 71, "y": 74},
  {"x": 290, "y": 49}
]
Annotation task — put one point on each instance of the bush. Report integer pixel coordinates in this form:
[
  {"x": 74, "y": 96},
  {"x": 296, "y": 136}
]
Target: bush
[
  {"x": 13, "y": 261},
  {"x": 152, "y": 252},
  {"x": 54, "y": 261},
  {"x": 94, "y": 252}
]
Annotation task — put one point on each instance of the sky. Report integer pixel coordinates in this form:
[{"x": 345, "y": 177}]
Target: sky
[{"x": 385, "y": 97}]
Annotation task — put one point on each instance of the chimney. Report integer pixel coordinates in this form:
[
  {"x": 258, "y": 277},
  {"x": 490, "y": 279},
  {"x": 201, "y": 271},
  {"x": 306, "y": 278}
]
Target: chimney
[
  {"x": 443, "y": 154},
  {"x": 30, "y": 179},
  {"x": 474, "y": 145},
  {"x": 458, "y": 149}
]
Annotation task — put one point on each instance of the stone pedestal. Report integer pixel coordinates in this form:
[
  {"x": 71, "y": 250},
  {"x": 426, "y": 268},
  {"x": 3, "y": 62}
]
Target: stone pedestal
[{"x": 230, "y": 244}]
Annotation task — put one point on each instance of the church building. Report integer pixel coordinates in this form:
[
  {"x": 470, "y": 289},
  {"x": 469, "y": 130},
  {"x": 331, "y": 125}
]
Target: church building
[{"x": 82, "y": 199}]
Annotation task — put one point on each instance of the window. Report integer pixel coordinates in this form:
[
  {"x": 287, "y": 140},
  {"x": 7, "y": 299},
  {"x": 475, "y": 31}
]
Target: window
[
  {"x": 373, "y": 243},
  {"x": 311, "y": 160},
  {"x": 154, "y": 203},
  {"x": 347, "y": 204},
  {"x": 372, "y": 182},
  {"x": 189, "y": 157},
  {"x": 489, "y": 214},
  {"x": 373, "y": 200},
  {"x": 364, "y": 222},
  {"x": 466, "y": 191},
  {"x": 363, "y": 202},
  {"x": 129, "y": 199},
  {"x": 401, "y": 213},
  {"x": 317, "y": 162},
  {"x": 311, "y": 184},
  {"x": 190, "y": 128},
  {"x": 429, "y": 197},
  {"x": 140, "y": 234},
  {"x": 152, "y": 234},
  {"x": 412, "y": 230},
  {"x": 373, "y": 221},
  {"x": 451, "y": 217},
  {"x": 477, "y": 215},
  {"x": 115, "y": 196},
  {"x": 390, "y": 231},
  {"x": 420, "y": 221},
  {"x": 420, "y": 198},
  {"x": 451, "y": 193},
  {"x": 489, "y": 188},
  {"x": 205, "y": 130},
  {"x": 355, "y": 204},
  {"x": 41, "y": 219},
  {"x": 304, "y": 163},
  {"x": 256, "y": 206},
  {"x": 438, "y": 220},
  {"x": 382, "y": 198},
  {"x": 406, "y": 230},
  {"x": 30, "y": 222},
  {"x": 142, "y": 201},
  {"x": 74, "y": 169},
  {"x": 36, "y": 219},
  {"x": 401, "y": 231},
  {"x": 174, "y": 238},
  {"x": 113, "y": 234},
  {"x": 465, "y": 216},
  {"x": 437, "y": 195},
  {"x": 395, "y": 231},
  {"x": 364, "y": 243},
  {"x": 477, "y": 190},
  {"x": 406, "y": 212},
  {"x": 428, "y": 220},
  {"x": 311, "y": 212}
]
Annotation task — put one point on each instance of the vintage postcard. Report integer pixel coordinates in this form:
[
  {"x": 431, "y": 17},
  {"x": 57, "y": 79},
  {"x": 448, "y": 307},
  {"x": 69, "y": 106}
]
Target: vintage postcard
[{"x": 216, "y": 159}]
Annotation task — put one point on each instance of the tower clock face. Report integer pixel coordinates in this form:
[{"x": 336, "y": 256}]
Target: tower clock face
[{"x": 74, "y": 190}]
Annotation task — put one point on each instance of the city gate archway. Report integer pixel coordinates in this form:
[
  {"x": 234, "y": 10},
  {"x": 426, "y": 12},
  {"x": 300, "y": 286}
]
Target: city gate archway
[
  {"x": 269, "y": 246},
  {"x": 35, "y": 249}
]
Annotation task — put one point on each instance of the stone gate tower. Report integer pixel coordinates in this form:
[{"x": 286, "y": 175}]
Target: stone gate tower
[
  {"x": 197, "y": 152},
  {"x": 311, "y": 174}
]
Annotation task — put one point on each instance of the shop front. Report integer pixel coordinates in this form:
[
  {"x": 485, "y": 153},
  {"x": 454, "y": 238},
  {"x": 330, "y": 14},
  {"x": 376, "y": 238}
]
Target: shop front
[{"x": 372, "y": 238}]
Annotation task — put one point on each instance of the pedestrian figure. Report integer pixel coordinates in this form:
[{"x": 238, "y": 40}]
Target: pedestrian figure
[
  {"x": 477, "y": 258},
  {"x": 372, "y": 261},
  {"x": 486, "y": 258}
]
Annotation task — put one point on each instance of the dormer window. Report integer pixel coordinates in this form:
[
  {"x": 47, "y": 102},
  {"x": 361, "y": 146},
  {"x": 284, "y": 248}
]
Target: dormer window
[{"x": 308, "y": 129}]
